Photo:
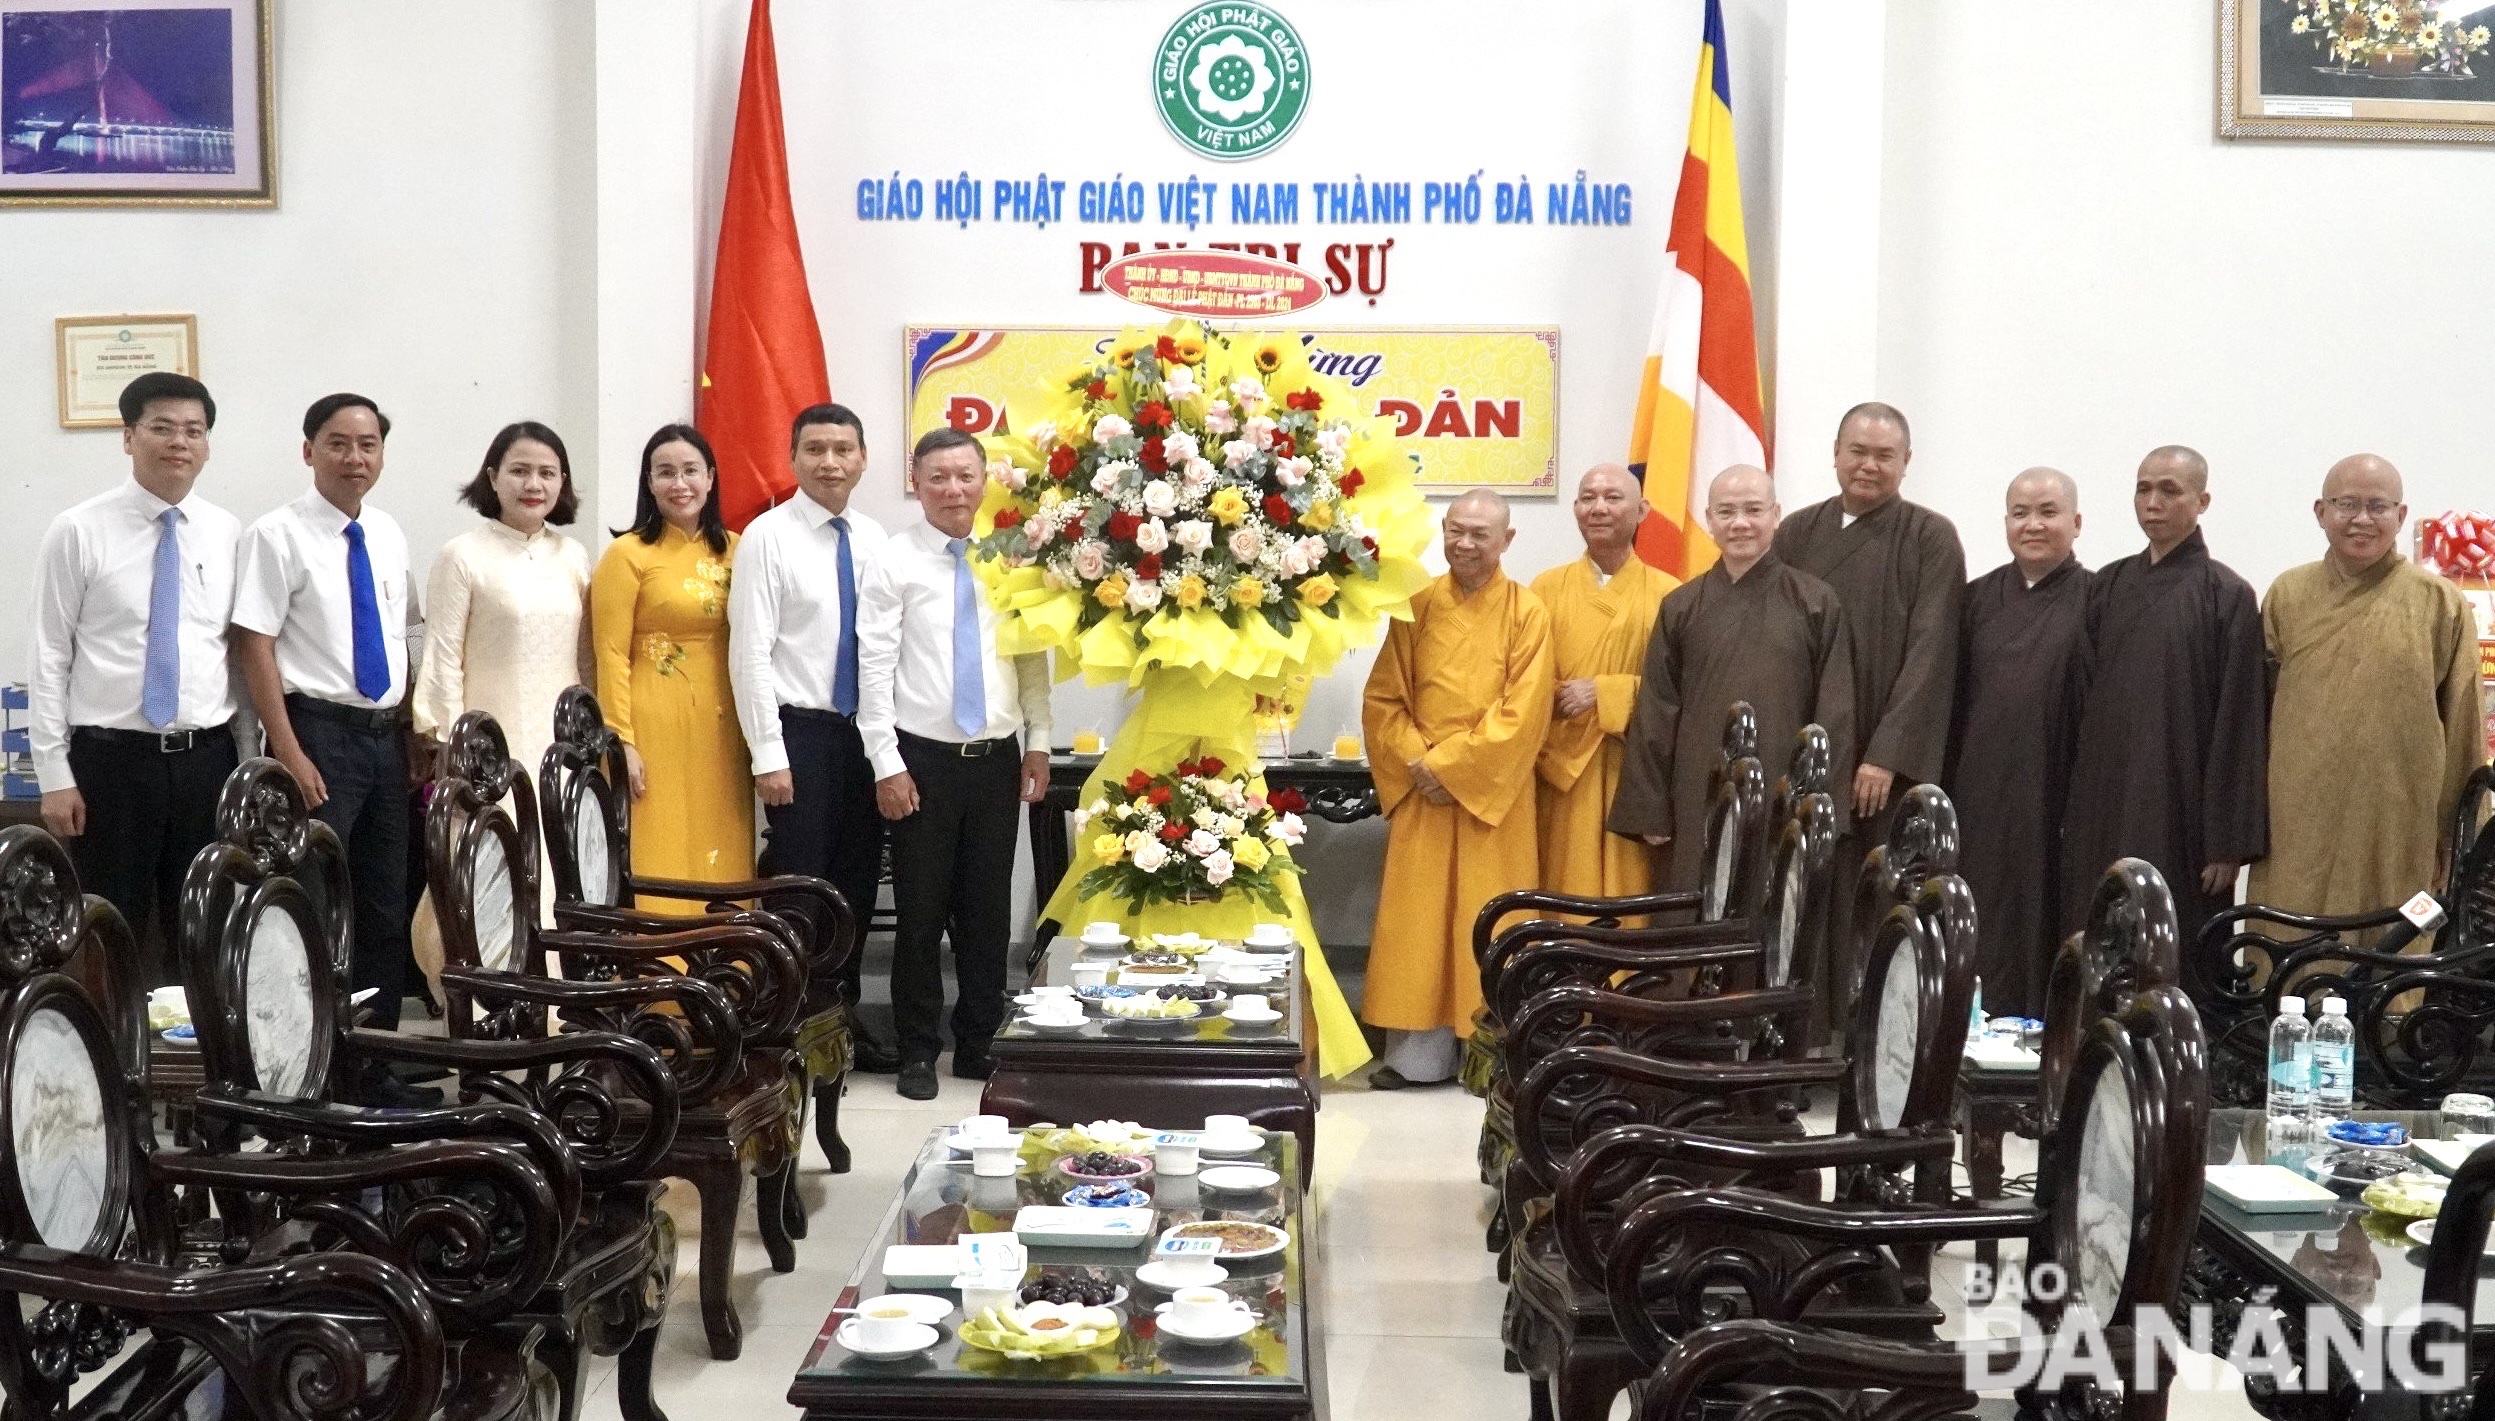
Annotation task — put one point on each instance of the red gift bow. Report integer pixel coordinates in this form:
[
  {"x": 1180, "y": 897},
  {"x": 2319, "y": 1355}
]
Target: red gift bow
[{"x": 2459, "y": 544}]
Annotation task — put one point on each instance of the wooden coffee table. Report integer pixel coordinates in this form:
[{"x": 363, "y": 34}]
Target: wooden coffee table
[{"x": 1275, "y": 1373}]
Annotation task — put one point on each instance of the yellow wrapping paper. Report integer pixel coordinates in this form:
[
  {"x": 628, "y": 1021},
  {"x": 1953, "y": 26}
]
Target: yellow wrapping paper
[{"x": 1182, "y": 716}]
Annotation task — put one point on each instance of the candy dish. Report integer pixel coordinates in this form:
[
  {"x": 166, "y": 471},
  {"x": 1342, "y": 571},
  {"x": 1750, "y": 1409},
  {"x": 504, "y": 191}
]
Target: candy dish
[
  {"x": 1106, "y": 1196},
  {"x": 1105, "y": 1167},
  {"x": 1239, "y": 1238},
  {"x": 911, "y": 1339},
  {"x": 1238, "y": 1178},
  {"x": 183, "y": 1034},
  {"x": 1094, "y": 996}
]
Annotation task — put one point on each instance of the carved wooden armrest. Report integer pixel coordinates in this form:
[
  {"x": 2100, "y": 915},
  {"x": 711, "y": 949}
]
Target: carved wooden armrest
[
  {"x": 268, "y": 1321},
  {"x": 474, "y": 1222},
  {"x": 1636, "y": 972},
  {"x": 1779, "y": 1355},
  {"x": 818, "y": 896},
  {"x": 1709, "y": 1089},
  {"x": 1529, "y": 1036},
  {"x": 276, "y": 1116},
  {"x": 1495, "y": 963},
  {"x": 579, "y": 1080},
  {"x": 700, "y": 1045},
  {"x": 1605, "y": 912},
  {"x": 761, "y": 974}
]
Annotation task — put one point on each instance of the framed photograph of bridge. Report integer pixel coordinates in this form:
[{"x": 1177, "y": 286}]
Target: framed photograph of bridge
[{"x": 137, "y": 103}]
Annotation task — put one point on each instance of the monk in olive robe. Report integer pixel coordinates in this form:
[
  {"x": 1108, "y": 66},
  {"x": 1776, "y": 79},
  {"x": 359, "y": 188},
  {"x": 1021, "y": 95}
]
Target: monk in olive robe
[
  {"x": 1454, "y": 714},
  {"x": 1751, "y": 628},
  {"x": 2022, "y": 631},
  {"x": 2375, "y": 722},
  {"x": 1603, "y": 608},
  {"x": 2173, "y": 751}
]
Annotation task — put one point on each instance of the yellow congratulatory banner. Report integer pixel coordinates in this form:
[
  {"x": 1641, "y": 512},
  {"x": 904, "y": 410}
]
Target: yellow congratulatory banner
[{"x": 1481, "y": 404}]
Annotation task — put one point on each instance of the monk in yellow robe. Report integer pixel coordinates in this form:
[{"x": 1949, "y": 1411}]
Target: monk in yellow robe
[
  {"x": 1603, "y": 606},
  {"x": 2376, "y": 721},
  {"x": 1454, "y": 715}
]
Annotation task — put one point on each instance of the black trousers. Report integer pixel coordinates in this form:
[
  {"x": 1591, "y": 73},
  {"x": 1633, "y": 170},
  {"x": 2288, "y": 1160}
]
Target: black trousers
[
  {"x": 953, "y": 877},
  {"x": 366, "y": 771},
  {"x": 830, "y": 829},
  {"x": 149, "y": 813}
]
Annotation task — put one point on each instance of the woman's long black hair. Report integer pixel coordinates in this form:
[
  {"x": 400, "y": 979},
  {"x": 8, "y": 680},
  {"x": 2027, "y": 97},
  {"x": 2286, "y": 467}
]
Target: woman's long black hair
[{"x": 647, "y": 521}]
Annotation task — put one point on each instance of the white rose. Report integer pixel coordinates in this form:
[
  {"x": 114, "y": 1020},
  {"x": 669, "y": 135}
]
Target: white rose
[
  {"x": 1294, "y": 561},
  {"x": 1179, "y": 448},
  {"x": 1237, "y": 452},
  {"x": 1218, "y": 867},
  {"x": 1227, "y": 825},
  {"x": 1193, "y": 535},
  {"x": 1143, "y": 594},
  {"x": 1204, "y": 817},
  {"x": 1081, "y": 818},
  {"x": 1247, "y": 390},
  {"x": 1039, "y": 530},
  {"x": 1149, "y": 856},
  {"x": 1202, "y": 842},
  {"x": 1178, "y": 382},
  {"x": 1160, "y": 499},
  {"x": 1110, "y": 427},
  {"x": 1196, "y": 475},
  {"x": 1105, "y": 480},
  {"x": 1332, "y": 441},
  {"x": 1091, "y": 560},
  {"x": 1258, "y": 431},
  {"x": 1043, "y": 434},
  {"x": 1218, "y": 419},
  {"x": 1245, "y": 545},
  {"x": 1289, "y": 829},
  {"x": 1154, "y": 536},
  {"x": 1292, "y": 471},
  {"x": 1313, "y": 547}
]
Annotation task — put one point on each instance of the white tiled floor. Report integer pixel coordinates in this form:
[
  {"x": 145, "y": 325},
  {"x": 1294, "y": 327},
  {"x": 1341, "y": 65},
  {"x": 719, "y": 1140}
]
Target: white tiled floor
[{"x": 1410, "y": 1303}]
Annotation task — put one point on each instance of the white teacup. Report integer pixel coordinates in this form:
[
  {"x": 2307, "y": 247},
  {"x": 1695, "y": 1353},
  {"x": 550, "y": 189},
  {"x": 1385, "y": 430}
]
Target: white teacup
[
  {"x": 1090, "y": 974},
  {"x": 1104, "y": 933},
  {"x": 1203, "y": 1309},
  {"x": 1226, "y": 1127},
  {"x": 1270, "y": 934},
  {"x": 1241, "y": 976},
  {"x": 995, "y": 1161},
  {"x": 1247, "y": 1006},
  {"x": 983, "y": 1127},
  {"x": 1202, "y": 1271},
  {"x": 884, "y": 1322}
]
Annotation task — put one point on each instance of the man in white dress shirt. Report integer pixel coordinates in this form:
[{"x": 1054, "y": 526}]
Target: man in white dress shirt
[
  {"x": 131, "y": 696},
  {"x": 793, "y": 659},
  {"x": 320, "y": 636},
  {"x": 958, "y": 738}
]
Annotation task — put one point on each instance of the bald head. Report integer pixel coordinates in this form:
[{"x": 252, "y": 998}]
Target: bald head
[
  {"x": 1477, "y": 534},
  {"x": 1874, "y": 445},
  {"x": 2169, "y": 496},
  {"x": 2181, "y": 460},
  {"x": 2361, "y": 510},
  {"x": 2041, "y": 517},
  {"x": 1609, "y": 506},
  {"x": 1742, "y": 516}
]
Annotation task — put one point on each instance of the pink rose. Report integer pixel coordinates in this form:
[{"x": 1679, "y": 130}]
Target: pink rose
[
  {"x": 1091, "y": 561},
  {"x": 1245, "y": 545}
]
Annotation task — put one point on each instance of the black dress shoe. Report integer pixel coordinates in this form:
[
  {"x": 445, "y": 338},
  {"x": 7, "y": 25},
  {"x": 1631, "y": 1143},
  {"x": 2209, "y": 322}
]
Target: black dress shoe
[
  {"x": 973, "y": 1065},
  {"x": 918, "y": 1080},
  {"x": 1388, "y": 1078},
  {"x": 872, "y": 1054},
  {"x": 386, "y": 1091}
]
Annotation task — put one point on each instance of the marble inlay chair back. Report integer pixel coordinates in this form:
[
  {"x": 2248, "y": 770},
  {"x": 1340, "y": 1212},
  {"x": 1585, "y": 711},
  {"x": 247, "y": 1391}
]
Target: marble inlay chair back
[
  {"x": 588, "y": 822},
  {"x": 1736, "y": 841},
  {"x": 1799, "y": 869},
  {"x": 1741, "y": 731},
  {"x": 1910, "y": 1018},
  {"x": 1923, "y": 842},
  {"x": 266, "y": 927},
  {"x": 480, "y": 861},
  {"x": 2130, "y": 943},
  {"x": 1806, "y": 773}
]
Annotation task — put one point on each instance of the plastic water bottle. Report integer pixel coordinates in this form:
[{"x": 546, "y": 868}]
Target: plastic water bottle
[
  {"x": 1975, "y": 1013},
  {"x": 2291, "y": 1066},
  {"x": 2334, "y": 1063}
]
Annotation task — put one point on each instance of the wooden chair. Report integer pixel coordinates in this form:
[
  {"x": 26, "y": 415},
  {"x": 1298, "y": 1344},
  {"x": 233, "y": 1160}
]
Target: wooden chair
[
  {"x": 265, "y": 941},
  {"x": 741, "y": 1101},
  {"x": 588, "y": 838},
  {"x": 2117, "y": 1202},
  {"x": 88, "y": 1237},
  {"x": 1892, "y": 1147}
]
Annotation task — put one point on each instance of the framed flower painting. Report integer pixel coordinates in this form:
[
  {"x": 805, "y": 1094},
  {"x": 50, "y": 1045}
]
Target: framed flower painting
[{"x": 2408, "y": 70}]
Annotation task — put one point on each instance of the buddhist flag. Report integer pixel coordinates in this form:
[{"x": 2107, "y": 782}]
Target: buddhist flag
[
  {"x": 1698, "y": 401},
  {"x": 763, "y": 359}
]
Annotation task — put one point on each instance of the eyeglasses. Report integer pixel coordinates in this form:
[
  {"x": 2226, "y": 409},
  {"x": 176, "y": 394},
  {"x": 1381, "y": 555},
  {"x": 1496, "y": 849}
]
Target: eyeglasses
[
  {"x": 2374, "y": 508},
  {"x": 167, "y": 429}
]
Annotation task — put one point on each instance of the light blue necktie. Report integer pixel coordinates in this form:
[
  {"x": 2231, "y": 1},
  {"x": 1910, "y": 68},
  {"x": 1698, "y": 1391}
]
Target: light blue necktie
[
  {"x": 372, "y": 653},
  {"x": 970, "y": 684},
  {"x": 160, "y": 695},
  {"x": 845, "y": 670}
]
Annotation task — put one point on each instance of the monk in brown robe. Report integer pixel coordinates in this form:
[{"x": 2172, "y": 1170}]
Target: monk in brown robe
[
  {"x": 2173, "y": 756},
  {"x": 1603, "y": 608},
  {"x": 1751, "y": 628},
  {"x": 1455, "y": 712},
  {"x": 2375, "y": 722},
  {"x": 2021, "y": 633}
]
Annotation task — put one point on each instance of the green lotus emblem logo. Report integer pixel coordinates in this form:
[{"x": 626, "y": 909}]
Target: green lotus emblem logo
[{"x": 1231, "y": 80}]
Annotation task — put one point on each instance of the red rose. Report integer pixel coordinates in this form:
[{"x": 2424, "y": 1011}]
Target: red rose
[
  {"x": 1278, "y": 510},
  {"x": 1172, "y": 833},
  {"x": 1209, "y": 767},
  {"x": 1185, "y": 768},
  {"x": 1096, "y": 390},
  {"x": 1350, "y": 482},
  {"x": 1061, "y": 461},
  {"x": 1008, "y": 518},
  {"x": 1159, "y": 794},
  {"x": 1166, "y": 348},
  {"x": 1305, "y": 400},
  {"x": 1369, "y": 543},
  {"x": 1153, "y": 456},
  {"x": 1153, "y": 413},
  {"x": 1287, "y": 801},
  {"x": 1122, "y": 526},
  {"x": 1138, "y": 782},
  {"x": 1148, "y": 568}
]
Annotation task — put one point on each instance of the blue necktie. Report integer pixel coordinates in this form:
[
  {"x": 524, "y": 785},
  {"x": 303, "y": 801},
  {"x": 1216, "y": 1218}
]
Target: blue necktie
[
  {"x": 845, "y": 670},
  {"x": 970, "y": 684},
  {"x": 372, "y": 654},
  {"x": 160, "y": 694}
]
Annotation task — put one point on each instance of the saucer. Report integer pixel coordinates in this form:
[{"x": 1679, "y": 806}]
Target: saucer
[
  {"x": 920, "y": 1335},
  {"x": 1230, "y": 1145},
  {"x": 1051, "y": 1023},
  {"x": 1238, "y": 1178},
  {"x": 924, "y": 1309},
  {"x": 1263, "y": 1018},
  {"x": 1156, "y": 1275},
  {"x": 963, "y": 1144},
  {"x": 1233, "y": 1325}
]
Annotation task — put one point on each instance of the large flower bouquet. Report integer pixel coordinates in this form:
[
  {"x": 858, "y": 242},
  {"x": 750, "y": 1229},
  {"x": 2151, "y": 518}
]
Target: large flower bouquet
[
  {"x": 1191, "y": 501},
  {"x": 2393, "y": 37},
  {"x": 1190, "y": 836}
]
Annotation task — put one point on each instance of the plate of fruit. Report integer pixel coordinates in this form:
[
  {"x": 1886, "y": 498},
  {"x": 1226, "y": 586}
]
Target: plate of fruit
[
  {"x": 1104, "y": 1167},
  {"x": 1035, "y": 1330},
  {"x": 1074, "y": 1287},
  {"x": 1184, "y": 944},
  {"x": 1152, "y": 1007}
]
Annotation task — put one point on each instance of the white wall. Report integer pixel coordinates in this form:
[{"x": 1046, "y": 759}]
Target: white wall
[
  {"x": 2074, "y": 271},
  {"x": 432, "y": 249}
]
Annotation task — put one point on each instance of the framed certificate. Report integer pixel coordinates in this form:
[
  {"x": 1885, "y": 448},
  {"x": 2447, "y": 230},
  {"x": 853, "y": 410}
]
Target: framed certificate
[{"x": 99, "y": 355}]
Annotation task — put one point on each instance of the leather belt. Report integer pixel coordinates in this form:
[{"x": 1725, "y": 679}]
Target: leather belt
[
  {"x": 968, "y": 750},
  {"x": 369, "y": 719},
  {"x": 163, "y": 742}
]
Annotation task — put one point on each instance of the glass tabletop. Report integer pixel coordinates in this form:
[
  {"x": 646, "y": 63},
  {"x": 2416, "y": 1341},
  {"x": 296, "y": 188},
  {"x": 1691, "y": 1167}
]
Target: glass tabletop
[
  {"x": 941, "y": 1202},
  {"x": 1210, "y": 1028},
  {"x": 2357, "y": 1258}
]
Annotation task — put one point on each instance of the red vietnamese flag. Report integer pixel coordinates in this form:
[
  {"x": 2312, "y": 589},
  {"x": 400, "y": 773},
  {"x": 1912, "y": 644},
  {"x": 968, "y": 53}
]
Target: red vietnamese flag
[{"x": 763, "y": 361}]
